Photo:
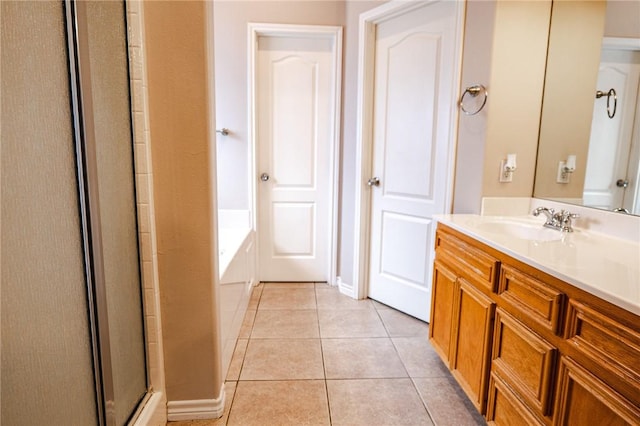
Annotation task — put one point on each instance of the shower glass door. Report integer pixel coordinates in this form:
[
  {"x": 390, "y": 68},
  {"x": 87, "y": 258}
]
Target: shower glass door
[
  {"x": 47, "y": 359},
  {"x": 99, "y": 43},
  {"x": 72, "y": 347}
]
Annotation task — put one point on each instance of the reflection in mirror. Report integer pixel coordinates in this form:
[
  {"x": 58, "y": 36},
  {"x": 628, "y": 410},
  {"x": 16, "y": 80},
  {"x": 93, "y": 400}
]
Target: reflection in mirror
[
  {"x": 593, "y": 46},
  {"x": 612, "y": 163}
]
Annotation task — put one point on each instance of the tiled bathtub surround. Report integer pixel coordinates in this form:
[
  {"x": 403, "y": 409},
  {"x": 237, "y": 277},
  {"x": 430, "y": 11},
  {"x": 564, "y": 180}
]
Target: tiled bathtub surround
[
  {"x": 309, "y": 355},
  {"x": 154, "y": 413}
]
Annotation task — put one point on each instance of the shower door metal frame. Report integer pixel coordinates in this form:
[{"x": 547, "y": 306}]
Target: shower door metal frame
[{"x": 89, "y": 205}]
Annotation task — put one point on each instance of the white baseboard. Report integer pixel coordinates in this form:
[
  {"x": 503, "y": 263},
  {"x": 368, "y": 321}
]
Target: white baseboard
[
  {"x": 346, "y": 289},
  {"x": 154, "y": 412},
  {"x": 196, "y": 409}
]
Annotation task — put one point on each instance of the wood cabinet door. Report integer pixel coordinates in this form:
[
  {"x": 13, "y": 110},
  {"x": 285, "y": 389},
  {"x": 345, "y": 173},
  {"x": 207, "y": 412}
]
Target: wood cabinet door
[
  {"x": 473, "y": 326},
  {"x": 442, "y": 307},
  {"x": 505, "y": 408},
  {"x": 524, "y": 360},
  {"x": 583, "y": 399}
]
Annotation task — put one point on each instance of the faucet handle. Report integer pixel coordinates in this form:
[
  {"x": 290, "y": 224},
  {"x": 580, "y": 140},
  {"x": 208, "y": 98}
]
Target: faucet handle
[
  {"x": 546, "y": 210},
  {"x": 565, "y": 220},
  {"x": 567, "y": 215}
]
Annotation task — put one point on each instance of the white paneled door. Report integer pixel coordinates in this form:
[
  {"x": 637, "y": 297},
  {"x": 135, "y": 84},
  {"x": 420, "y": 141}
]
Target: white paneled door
[
  {"x": 415, "y": 58},
  {"x": 611, "y": 158},
  {"x": 295, "y": 116}
]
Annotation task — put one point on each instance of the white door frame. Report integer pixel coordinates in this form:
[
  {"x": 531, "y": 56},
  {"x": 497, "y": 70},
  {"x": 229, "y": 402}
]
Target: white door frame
[
  {"x": 313, "y": 31},
  {"x": 366, "y": 61}
]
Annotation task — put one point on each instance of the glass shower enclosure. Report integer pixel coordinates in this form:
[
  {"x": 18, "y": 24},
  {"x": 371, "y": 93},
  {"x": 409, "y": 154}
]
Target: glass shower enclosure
[{"x": 72, "y": 325}]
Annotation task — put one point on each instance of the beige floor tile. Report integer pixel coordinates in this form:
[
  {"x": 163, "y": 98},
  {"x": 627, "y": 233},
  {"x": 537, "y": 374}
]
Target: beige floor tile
[
  {"x": 247, "y": 324},
  {"x": 330, "y": 298},
  {"x": 254, "y": 300},
  {"x": 295, "y": 402},
  {"x": 361, "y": 358},
  {"x": 399, "y": 324},
  {"x": 237, "y": 359},
  {"x": 282, "y": 298},
  {"x": 418, "y": 357},
  {"x": 376, "y": 402},
  {"x": 283, "y": 359},
  {"x": 350, "y": 323},
  {"x": 289, "y": 324},
  {"x": 289, "y": 285},
  {"x": 229, "y": 388},
  {"x": 447, "y": 403}
]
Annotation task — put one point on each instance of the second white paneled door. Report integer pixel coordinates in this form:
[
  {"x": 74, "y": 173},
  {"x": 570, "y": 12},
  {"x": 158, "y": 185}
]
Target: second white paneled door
[
  {"x": 415, "y": 58},
  {"x": 295, "y": 128}
]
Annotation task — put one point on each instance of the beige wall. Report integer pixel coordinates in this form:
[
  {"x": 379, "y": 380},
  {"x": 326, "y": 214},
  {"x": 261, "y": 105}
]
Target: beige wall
[
  {"x": 572, "y": 72},
  {"x": 178, "y": 122}
]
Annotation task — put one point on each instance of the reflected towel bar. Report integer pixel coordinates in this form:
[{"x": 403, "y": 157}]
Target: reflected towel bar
[{"x": 473, "y": 91}]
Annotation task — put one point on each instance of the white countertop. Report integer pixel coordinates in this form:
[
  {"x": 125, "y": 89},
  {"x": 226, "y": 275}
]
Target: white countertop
[{"x": 604, "y": 266}]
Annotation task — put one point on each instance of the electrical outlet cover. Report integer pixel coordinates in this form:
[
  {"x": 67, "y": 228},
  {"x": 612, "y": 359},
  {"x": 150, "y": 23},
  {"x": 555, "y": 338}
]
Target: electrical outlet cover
[{"x": 562, "y": 176}]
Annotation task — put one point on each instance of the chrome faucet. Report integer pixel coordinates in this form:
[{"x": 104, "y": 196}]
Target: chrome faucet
[{"x": 557, "y": 220}]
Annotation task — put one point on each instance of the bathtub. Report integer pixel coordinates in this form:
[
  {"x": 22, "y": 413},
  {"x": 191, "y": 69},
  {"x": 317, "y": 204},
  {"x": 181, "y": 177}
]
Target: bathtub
[
  {"x": 230, "y": 243},
  {"x": 236, "y": 262}
]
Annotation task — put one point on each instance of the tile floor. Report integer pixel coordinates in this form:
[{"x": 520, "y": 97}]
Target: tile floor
[{"x": 308, "y": 355}]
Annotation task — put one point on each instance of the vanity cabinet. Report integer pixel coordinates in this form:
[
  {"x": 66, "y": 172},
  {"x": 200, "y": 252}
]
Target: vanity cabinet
[
  {"x": 528, "y": 348},
  {"x": 462, "y": 313}
]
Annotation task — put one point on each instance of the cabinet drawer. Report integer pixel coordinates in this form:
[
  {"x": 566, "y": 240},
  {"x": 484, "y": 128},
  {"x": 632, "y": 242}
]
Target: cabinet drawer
[
  {"x": 473, "y": 262},
  {"x": 582, "y": 399},
  {"x": 504, "y": 407},
  {"x": 524, "y": 360},
  {"x": 533, "y": 299},
  {"x": 607, "y": 342}
]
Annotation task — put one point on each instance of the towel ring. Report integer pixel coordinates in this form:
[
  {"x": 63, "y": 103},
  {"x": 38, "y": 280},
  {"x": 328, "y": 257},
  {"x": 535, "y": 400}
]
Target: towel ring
[
  {"x": 611, "y": 92},
  {"x": 473, "y": 91}
]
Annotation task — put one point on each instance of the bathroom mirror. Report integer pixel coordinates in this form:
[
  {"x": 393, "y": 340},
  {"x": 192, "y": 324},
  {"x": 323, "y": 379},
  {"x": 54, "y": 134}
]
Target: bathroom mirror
[{"x": 589, "y": 151}]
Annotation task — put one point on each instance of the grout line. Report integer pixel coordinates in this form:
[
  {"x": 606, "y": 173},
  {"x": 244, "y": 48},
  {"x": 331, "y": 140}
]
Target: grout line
[
  {"x": 283, "y": 380},
  {"x": 383, "y": 323},
  {"x": 244, "y": 357},
  {"x": 401, "y": 360},
  {"x": 235, "y": 392},
  {"x": 424, "y": 403},
  {"x": 324, "y": 367}
]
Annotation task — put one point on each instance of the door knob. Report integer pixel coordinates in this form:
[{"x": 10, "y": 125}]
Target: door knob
[
  {"x": 264, "y": 177},
  {"x": 374, "y": 181},
  {"x": 622, "y": 183}
]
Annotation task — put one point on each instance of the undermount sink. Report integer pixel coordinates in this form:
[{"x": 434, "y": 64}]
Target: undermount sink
[{"x": 521, "y": 229}]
